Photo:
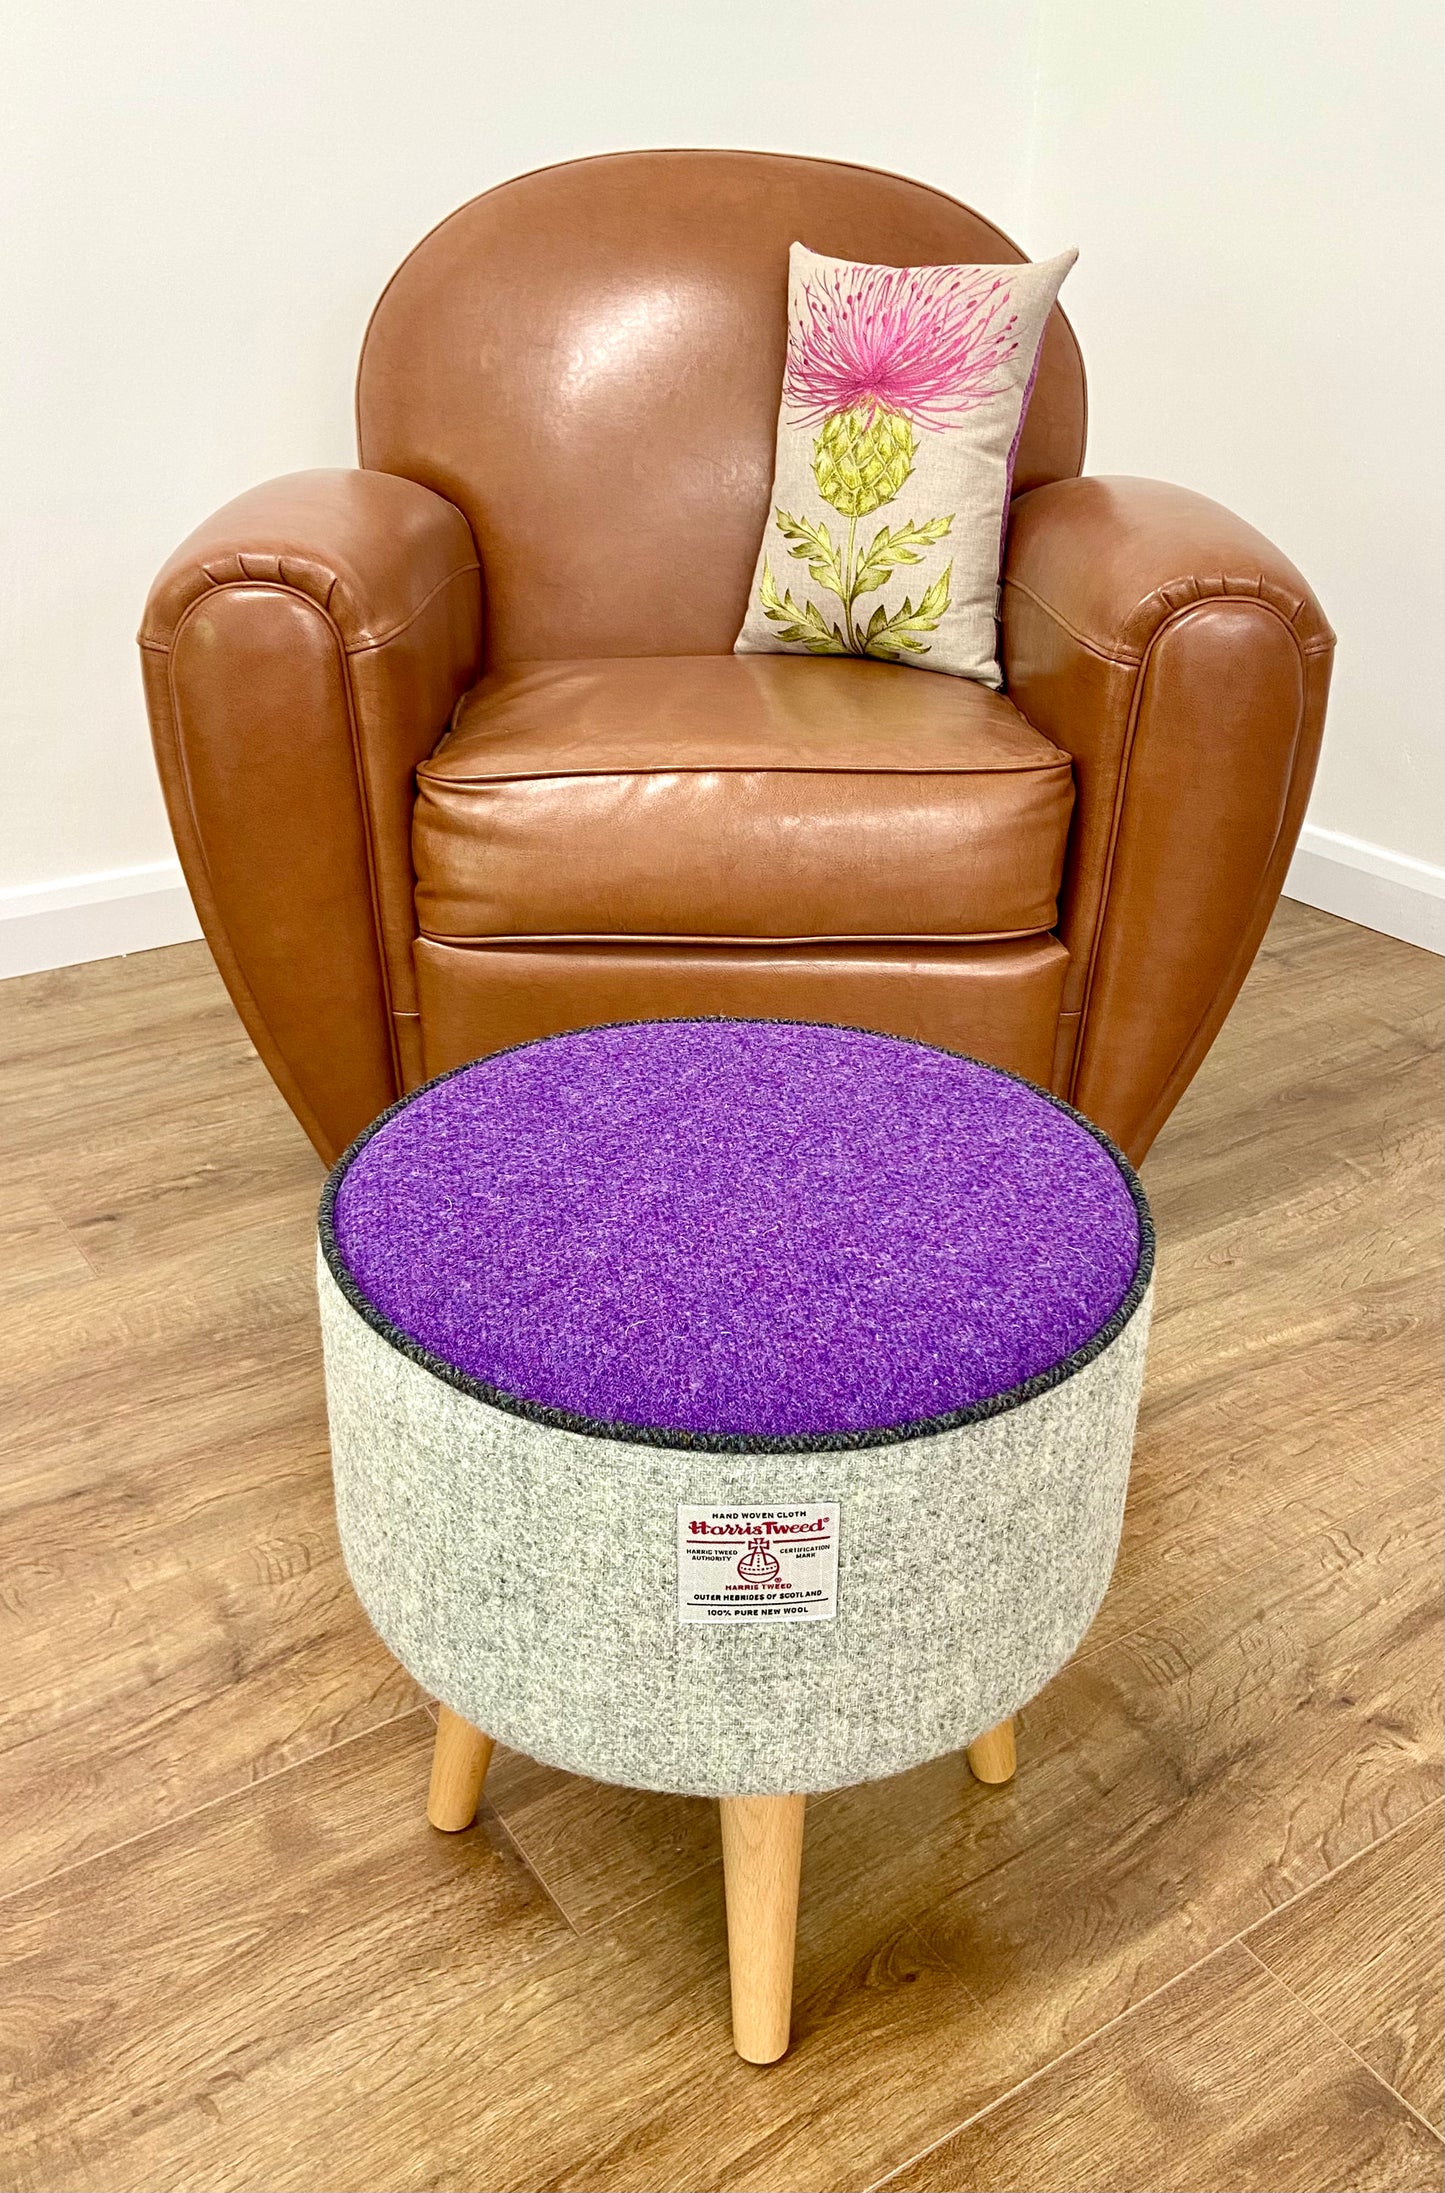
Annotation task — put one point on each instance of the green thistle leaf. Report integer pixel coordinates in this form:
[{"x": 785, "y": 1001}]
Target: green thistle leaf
[
  {"x": 930, "y": 610},
  {"x": 895, "y": 636},
  {"x": 886, "y": 551},
  {"x": 799, "y": 625},
  {"x": 815, "y": 543}
]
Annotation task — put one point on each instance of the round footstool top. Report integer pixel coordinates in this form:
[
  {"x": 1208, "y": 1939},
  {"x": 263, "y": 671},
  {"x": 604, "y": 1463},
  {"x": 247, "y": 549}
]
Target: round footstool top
[{"x": 739, "y": 1236}]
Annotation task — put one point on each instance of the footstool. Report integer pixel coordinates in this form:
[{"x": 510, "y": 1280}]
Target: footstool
[{"x": 734, "y": 1407}]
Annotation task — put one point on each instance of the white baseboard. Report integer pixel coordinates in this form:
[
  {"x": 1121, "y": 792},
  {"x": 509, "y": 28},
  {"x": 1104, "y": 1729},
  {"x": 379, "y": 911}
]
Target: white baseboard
[
  {"x": 136, "y": 909},
  {"x": 1392, "y": 892},
  {"x": 94, "y": 917}
]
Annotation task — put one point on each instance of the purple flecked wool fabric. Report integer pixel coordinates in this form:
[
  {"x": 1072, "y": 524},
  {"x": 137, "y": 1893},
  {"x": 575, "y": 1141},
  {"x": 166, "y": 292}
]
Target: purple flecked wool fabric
[{"x": 744, "y": 1227}]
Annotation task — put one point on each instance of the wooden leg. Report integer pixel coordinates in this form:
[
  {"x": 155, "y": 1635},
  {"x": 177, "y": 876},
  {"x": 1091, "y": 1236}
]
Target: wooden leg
[
  {"x": 458, "y": 1769},
  {"x": 762, "y": 1839},
  {"x": 991, "y": 1755}
]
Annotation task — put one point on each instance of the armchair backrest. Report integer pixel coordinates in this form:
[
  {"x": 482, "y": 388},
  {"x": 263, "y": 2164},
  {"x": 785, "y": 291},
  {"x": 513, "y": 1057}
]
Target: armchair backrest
[{"x": 587, "y": 361}]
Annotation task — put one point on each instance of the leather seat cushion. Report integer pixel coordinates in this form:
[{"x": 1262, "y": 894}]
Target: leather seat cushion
[{"x": 734, "y": 797}]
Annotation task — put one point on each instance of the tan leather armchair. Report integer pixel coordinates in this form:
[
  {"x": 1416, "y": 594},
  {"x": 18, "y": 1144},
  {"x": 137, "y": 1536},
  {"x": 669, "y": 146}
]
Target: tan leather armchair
[{"x": 456, "y": 752}]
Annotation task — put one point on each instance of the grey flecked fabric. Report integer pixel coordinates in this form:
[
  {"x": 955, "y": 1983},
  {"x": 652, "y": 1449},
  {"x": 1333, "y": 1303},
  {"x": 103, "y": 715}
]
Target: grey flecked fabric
[{"x": 527, "y": 1576}]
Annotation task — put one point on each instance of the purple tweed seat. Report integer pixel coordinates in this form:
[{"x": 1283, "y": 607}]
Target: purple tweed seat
[{"x": 740, "y": 1235}]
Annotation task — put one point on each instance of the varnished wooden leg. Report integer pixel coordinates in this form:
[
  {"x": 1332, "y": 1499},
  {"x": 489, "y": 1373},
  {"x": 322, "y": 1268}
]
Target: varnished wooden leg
[
  {"x": 991, "y": 1755},
  {"x": 762, "y": 1839},
  {"x": 458, "y": 1769}
]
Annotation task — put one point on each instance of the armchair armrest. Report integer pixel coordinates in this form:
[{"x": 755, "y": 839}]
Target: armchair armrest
[
  {"x": 302, "y": 652},
  {"x": 1184, "y": 664}
]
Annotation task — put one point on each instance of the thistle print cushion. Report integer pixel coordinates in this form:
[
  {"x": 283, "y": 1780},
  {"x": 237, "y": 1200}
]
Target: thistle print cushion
[{"x": 904, "y": 398}]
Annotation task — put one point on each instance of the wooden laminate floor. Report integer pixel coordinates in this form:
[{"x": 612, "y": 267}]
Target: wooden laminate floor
[{"x": 1194, "y": 1945}]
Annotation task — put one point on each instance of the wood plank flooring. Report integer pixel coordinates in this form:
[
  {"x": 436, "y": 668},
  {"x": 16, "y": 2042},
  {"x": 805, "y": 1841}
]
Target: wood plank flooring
[{"x": 1194, "y": 1945}]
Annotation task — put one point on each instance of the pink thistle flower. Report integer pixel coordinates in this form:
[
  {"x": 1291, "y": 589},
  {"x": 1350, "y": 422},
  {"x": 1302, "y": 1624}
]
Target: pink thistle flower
[{"x": 925, "y": 342}]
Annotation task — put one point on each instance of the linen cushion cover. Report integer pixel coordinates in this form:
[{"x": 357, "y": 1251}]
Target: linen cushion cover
[
  {"x": 904, "y": 397},
  {"x": 573, "y": 1285}
]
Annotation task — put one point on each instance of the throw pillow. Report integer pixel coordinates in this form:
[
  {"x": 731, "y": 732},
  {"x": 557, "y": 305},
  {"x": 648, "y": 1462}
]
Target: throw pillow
[{"x": 903, "y": 402}]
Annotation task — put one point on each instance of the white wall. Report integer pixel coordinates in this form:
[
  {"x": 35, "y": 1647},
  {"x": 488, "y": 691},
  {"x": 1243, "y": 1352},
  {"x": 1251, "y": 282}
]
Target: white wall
[
  {"x": 1254, "y": 186},
  {"x": 200, "y": 206}
]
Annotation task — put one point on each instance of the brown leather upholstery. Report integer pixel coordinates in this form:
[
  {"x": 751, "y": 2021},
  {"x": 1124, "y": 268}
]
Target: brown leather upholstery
[
  {"x": 566, "y": 410},
  {"x": 587, "y": 362},
  {"x": 738, "y": 796},
  {"x": 997, "y": 1001},
  {"x": 1183, "y": 663},
  {"x": 302, "y": 652}
]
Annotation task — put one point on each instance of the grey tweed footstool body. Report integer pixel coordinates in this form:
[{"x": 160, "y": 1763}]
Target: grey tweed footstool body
[{"x": 741, "y": 1408}]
